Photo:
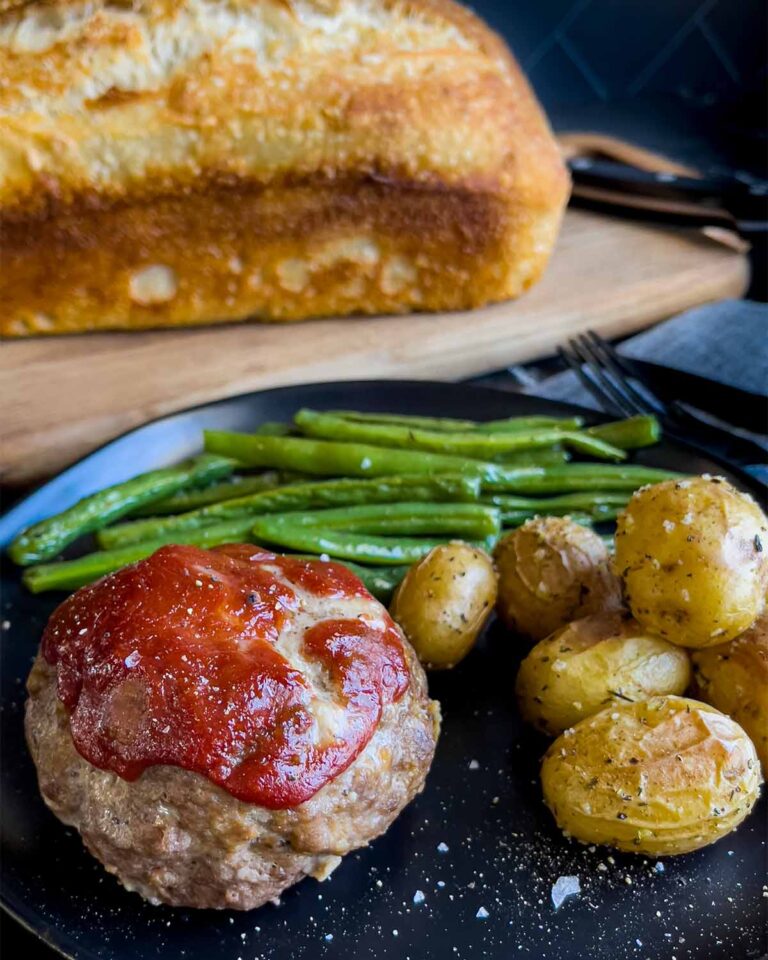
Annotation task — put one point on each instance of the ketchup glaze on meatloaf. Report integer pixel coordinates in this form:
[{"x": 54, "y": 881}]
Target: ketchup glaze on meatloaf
[
  {"x": 176, "y": 660},
  {"x": 218, "y": 724}
]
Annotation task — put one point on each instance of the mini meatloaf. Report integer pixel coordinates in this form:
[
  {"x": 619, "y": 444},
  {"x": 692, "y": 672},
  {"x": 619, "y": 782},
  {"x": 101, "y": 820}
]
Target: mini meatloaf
[{"x": 219, "y": 724}]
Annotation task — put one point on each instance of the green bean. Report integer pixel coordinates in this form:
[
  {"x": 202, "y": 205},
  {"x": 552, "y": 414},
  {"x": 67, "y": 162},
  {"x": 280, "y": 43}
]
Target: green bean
[
  {"x": 274, "y": 428},
  {"x": 470, "y": 444},
  {"x": 71, "y": 574},
  {"x": 447, "y": 425},
  {"x": 380, "y": 582},
  {"x": 346, "y": 546},
  {"x": 600, "y": 504},
  {"x": 328, "y": 493},
  {"x": 358, "y": 459},
  {"x": 547, "y": 457},
  {"x": 579, "y": 476},
  {"x": 642, "y": 431},
  {"x": 45, "y": 539},
  {"x": 187, "y": 500},
  {"x": 472, "y": 520},
  {"x": 326, "y": 458}
]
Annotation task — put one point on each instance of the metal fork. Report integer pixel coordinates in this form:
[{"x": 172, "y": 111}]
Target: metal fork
[{"x": 619, "y": 391}]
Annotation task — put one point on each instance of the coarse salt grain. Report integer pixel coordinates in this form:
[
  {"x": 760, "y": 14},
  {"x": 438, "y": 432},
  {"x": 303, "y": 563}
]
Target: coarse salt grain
[
  {"x": 474, "y": 765},
  {"x": 442, "y": 847},
  {"x": 419, "y": 897},
  {"x": 482, "y": 913},
  {"x": 563, "y": 888}
]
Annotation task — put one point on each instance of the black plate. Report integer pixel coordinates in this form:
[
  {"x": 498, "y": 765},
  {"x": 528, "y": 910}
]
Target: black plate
[{"x": 482, "y": 798}]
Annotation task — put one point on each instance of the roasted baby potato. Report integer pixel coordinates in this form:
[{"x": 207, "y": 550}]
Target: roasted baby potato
[
  {"x": 693, "y": 556},
  {"x": 552, "y": 571},
  {"x": 734, "y": 678},
  {"x": 592, "y": 662},
  {"x": 444, "y": 601},
  {"x": 658, "y": 777}
]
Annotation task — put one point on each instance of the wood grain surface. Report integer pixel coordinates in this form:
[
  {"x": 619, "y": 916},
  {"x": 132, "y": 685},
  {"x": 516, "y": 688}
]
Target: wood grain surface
[{"x": 60, "y": 397}]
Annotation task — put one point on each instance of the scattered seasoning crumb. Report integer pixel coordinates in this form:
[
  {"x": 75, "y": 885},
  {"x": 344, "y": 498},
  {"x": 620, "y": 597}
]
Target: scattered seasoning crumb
[
  {"x": 482, "y": 913},
  {"x": 563, "y": 888}
]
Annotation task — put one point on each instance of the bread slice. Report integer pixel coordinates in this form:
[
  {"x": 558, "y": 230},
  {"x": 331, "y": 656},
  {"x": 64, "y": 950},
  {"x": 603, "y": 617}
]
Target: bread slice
[{"x": 176, "y": 162}]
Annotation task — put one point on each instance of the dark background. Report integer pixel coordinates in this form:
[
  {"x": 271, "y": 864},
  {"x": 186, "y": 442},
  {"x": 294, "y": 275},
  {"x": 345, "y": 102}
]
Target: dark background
[{"x": 683, "y": 77}]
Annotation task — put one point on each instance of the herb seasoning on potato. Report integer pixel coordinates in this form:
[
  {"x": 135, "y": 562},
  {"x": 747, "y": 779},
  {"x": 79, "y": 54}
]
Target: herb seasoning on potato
[
  {"x": 658, "y": 777},
  {"x": 692, "y": 559},
  {"x": 551, "y": 571},
  {"x": 592, "y": 662},
  {"x": 444, "y": 602},
  {"x": 734, "y": 678}
]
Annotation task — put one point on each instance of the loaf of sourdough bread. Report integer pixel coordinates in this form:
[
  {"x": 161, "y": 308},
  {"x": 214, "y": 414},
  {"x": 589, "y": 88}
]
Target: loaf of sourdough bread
[{"x": 177, "y": 162}]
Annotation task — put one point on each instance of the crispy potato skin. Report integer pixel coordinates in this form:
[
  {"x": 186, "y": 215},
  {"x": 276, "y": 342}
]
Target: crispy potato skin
[
  {"x": 553, "y": 571},
  {"x": 693, "y": 556},
  {"x": 444, "y": 602},
  {"x": 593, "y": 662},
  {"x": 659, "y": 777},
  {"x": 734, "y": 678}
]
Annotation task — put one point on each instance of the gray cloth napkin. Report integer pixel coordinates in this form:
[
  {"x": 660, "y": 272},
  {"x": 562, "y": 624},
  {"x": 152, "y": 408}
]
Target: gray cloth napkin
[{"x": 726, "y": 342}]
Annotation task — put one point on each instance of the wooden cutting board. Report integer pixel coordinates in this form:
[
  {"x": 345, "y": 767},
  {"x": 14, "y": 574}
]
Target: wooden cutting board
[{"x": 63, "y": 396}]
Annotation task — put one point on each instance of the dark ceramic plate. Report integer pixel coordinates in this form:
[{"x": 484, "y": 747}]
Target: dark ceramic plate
[{"x": 466, "y": 871}]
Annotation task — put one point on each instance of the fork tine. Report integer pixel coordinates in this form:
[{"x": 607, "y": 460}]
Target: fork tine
[
  {"x": 588, "y": 380},
  {"x": 621, "y": 371},
  {"x": 583, "y": 350}
]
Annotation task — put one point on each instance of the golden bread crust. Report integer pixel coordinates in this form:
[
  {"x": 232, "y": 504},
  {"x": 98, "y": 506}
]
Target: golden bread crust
[{"x": 172, "y": 162}]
